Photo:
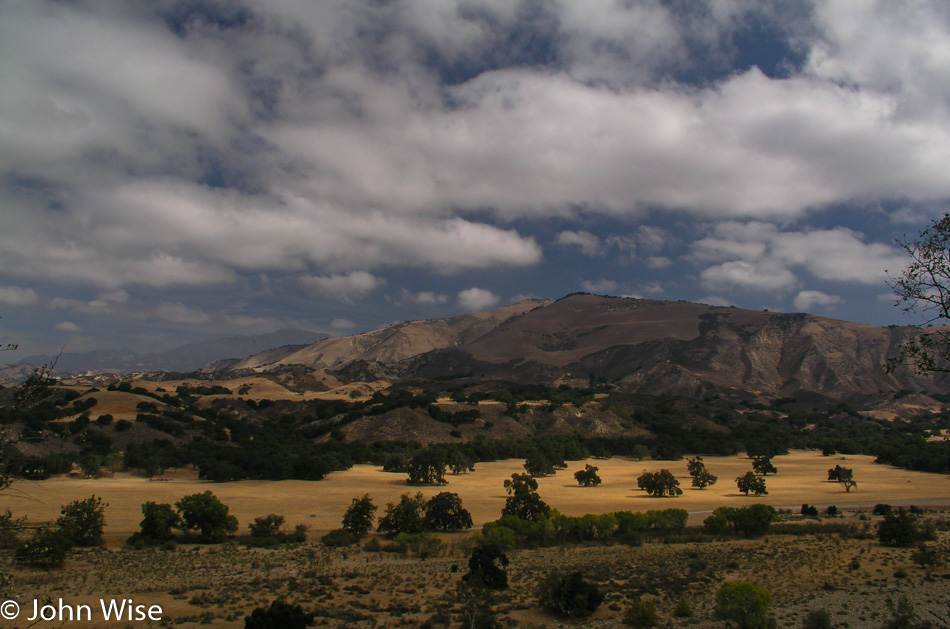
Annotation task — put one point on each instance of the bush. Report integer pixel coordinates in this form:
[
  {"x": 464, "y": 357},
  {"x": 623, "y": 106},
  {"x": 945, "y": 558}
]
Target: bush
[
  {"x": 423, "y": 545},
  {"x": 568, "y": 594},
  {"x": 338, "y": 538},
  {"x": 901, "y": 528},
  {"x": 641, "y": 614},
  {"x": 47, "y": 548},
  {"x": 744, "y": 604},
  {"x": 279, "y": 615},
  {"x": 266, "y": 525},
  {"x": 818, "y": 619}
]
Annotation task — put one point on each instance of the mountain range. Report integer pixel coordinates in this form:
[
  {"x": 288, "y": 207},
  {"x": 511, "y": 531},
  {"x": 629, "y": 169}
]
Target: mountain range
[
  {"x": 185, "y": 358},
  {"x": 637, "y": 345}
]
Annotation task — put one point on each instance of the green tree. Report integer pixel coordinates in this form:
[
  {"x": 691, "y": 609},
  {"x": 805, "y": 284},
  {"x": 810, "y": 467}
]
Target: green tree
[
  {"x": 83, "y": 520},
  {"x": 406, "y": 517},
  {"x": 358, "y": 518},
  {"x": 523, "y": 500},
  {"x": 537, "y": 464},
  {"x": 588, "y": 476},
  {"x": 750, "y": 521},
  {"x": 206, "y": 514},
  {"x": 750, "y": 483},
  {"x": 763, "y": 465},
  {"x": 659, "y": 484},
  {"x": 702, "y": 478},
  {"x": 569, "y": 594},
  {"x": 444, "y": 512},
  {"x": 744, "y": 605},
  {"x": 460, "y": 463},
  {"x": 279, "y": 615},
  {"x": 924, "y": 287},
  {"x": 157, "y": 524},
  {"x": 427, "y": 468}
]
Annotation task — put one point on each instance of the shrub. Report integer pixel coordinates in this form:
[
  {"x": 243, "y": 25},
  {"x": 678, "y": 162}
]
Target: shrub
[
  {"x": 818, "y": 619},
  {"x": 338, "y": 538},
  {"x": 279, "y": 615},
  {"x": 569, "y": 594},
  {"x": 47, "y": 548},
  {"x": 422, "y": 545},
  {"x": 486, "y": 567},
  {"x": 744, "y": 604},
  {"x": 901, "y": 528},
  {"x": 266, "y": 525},
  {"x": 641, "y": 614}
]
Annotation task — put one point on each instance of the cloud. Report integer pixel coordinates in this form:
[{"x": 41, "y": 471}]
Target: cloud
[
  {"x": 764, "y": 276},
  {"x": 67, "y": 326},
  {"x": 177, "y": 312},
  {"x": 758, "y": 255},
  {"x": 658, "y": 262},
  {"x": 342, "y": 324},
  {"x": 477, "y": 299},
  {"x": 602, "y": 286},
  {"x": 588, "y": 243},
  {"x": 422, "y": 298},
  {"x": 18, "y": 296},
  {"x": 346, "y": 288},
  {"x": 808, "y": 299}
]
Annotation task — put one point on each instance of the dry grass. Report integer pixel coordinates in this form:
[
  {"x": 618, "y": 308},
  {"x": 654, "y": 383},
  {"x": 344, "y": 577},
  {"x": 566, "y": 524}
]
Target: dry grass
[{"x": 320, "y": 504}]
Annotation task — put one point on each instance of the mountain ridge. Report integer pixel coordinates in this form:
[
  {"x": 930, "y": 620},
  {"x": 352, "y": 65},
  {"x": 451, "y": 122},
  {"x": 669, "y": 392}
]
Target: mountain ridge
[{"x": 638, "y": 345}]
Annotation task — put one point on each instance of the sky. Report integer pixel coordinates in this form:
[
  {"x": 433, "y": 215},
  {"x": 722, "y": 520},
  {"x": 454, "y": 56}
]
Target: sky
[{"x": 173, "y": 171}]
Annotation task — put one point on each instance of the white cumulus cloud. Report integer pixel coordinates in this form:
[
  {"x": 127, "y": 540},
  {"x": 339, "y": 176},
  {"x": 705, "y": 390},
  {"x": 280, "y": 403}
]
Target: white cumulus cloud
[{"x": 476, "y": 299}]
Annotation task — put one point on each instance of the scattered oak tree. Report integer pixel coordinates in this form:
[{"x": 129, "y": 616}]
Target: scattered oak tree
[
  {"x": 406, "y": 517},
  {"x": 659, "y": 484},
  {"x": 358, "y": 518},
  {"x": 206, "y": 514},
  {"x": 750, "y": 483},
  {"x": 588, "y": 476},
  {"x": 702, "y": 478},
  {"x": 427, "y": 468},
  {"x": 83, "y": 520},
  {"x": 763, "y": 465},
  {"x": 523, "y": 500},
  {"x": 444, "y": 512}
]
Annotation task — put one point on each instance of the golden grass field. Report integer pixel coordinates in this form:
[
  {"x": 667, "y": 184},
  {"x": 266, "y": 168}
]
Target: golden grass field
[
  {"x": 217, "y": 586},
  {"x": 801, "y": 478}
]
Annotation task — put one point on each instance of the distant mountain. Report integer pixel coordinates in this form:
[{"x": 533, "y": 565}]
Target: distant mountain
[
  {"x": 184, "y": 358},
  {"x": 393, "y": 344},
  {"x": 638, "y": 345}
]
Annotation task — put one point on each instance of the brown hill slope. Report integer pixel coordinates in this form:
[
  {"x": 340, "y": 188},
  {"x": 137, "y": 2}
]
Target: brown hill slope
[
  {"x": 392, "y": 344},
  {"x": 639, "y": 345}
]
